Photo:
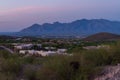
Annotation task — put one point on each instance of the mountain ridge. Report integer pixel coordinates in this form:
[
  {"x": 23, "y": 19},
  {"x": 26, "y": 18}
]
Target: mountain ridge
[{"x": 81, "y": 28}]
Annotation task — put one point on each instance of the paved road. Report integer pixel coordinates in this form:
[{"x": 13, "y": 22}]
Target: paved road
[{"x": 7, "y": 49}]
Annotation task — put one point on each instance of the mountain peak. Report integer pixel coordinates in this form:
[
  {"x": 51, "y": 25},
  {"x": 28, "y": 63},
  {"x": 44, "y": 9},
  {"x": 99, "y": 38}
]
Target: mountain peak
[
  {"x": 36, "y": 24},
  {"x": 57, "y": 22},
  {"x": 81, "y": 20}
]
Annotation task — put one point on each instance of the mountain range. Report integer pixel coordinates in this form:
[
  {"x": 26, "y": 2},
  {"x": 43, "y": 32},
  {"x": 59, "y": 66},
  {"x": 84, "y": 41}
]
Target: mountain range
[{"x": 78, "y": 28}]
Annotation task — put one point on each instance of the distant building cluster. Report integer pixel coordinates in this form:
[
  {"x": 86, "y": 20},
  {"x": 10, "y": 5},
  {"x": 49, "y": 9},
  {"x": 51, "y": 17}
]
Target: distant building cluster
[{"x": 37, "y": 49}]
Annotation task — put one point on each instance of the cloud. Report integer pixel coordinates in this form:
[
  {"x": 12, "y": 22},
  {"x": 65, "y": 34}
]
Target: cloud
[{"x": 26, "y": 9}]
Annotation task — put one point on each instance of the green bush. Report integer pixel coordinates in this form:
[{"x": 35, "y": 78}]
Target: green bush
[
  {"x": 7, "y": 76},
  {"x": 4, "y": 54},
  {"x": 11, "y": 65}
]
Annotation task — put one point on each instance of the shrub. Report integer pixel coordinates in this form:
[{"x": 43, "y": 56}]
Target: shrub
[
  {"x": 29, "y": 73},
  {"x": 11, "y": 65}
]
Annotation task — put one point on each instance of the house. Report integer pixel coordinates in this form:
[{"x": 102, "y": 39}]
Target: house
[
  {"x": 50, "y": 48},
  {"x": 37, "y": 49},
  {"x": 27, "y": 46},
  {"x": 32, "y": 52},
  {"x": 46, "y": 53},
  {"x": 35, "y": 52},
  {"x": 61, "y": 51},
  {"x": 23, "y": 46},
  {"x": 23, "y": 52},
  {"x": 18, "y": 47}
]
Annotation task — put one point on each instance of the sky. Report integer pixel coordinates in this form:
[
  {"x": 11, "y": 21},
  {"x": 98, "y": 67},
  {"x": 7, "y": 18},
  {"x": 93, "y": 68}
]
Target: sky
[{"x": 16, "y": 15}]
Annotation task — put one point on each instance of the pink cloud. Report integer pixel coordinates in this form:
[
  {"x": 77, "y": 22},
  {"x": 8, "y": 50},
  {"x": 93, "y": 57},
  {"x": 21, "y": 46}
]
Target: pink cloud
[
  {"x": 38, "y": 9},
  {"x": 23, "y": 10}
]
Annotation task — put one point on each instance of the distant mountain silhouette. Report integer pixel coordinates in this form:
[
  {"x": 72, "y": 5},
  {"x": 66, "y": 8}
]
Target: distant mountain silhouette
[
  {"x": 79, "y": 28},
  {"x": 102, "y": 37},
  {"x": 76, "y": 28}
]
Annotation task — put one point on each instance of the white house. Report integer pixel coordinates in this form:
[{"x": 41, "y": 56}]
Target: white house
[
  {"x": 31, "y": 52},
  {"x": 23, "y": 52},
  {"x": 46, "y": 53},
  {"x": 23, "y": 46},
  {"x": 50, "y": 48},
  {"x": 61, "y": 51}
]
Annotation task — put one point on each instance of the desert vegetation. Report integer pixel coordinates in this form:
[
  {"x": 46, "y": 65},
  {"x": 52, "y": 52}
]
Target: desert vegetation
[{"x": 82, "y": 65}]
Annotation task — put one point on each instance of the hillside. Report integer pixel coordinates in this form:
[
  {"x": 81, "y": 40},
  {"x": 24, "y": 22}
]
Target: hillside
[
  {"x": 102, "y": 36},
  {"x": 79, "y": 28}
]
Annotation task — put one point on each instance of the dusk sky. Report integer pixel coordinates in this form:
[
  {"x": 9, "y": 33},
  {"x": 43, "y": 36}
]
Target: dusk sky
[{"x": 18, "y": 14}]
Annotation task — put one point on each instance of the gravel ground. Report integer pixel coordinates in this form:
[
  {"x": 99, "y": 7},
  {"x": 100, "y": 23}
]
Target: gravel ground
[{"x": 110, "y": 73}]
